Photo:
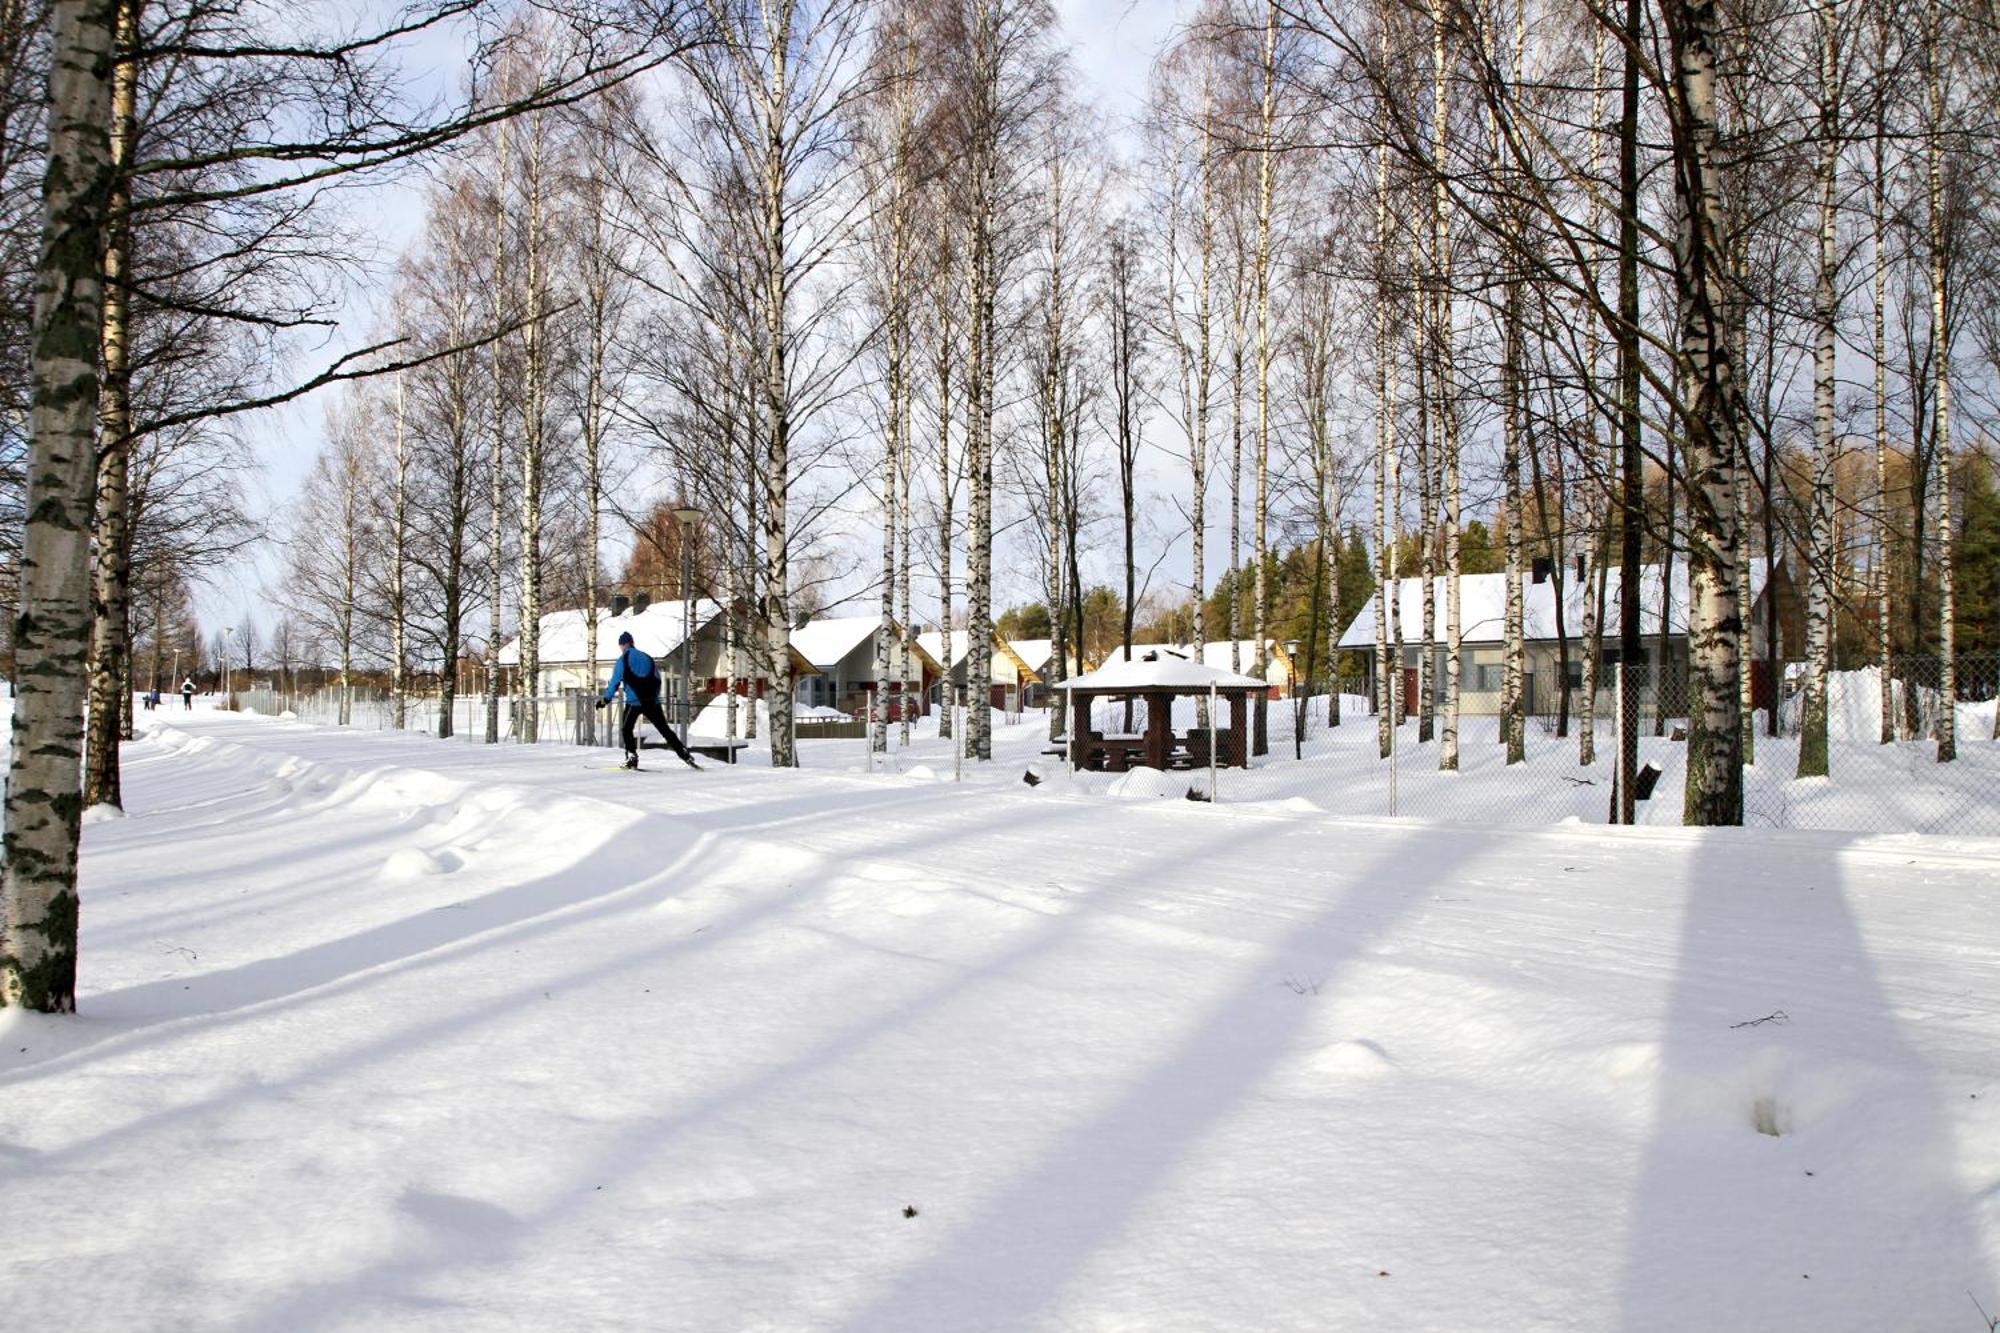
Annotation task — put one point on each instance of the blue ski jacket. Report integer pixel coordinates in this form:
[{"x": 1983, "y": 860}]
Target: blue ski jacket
[{"x": 634, "y": 664}]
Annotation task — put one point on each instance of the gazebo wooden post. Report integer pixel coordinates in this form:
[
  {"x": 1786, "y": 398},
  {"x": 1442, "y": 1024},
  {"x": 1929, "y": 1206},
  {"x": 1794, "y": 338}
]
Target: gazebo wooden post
[
  {"x": 1079, "y": 728},
  {"x": 1239, "y": 752},
  {"x": 1159, "y": 727}
]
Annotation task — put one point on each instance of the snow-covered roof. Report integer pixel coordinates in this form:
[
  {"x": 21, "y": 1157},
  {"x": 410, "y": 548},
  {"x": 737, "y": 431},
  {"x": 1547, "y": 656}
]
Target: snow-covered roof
[
  {"x": 1116, "y": 655},
  {"x": 960, "y": 644},
  {"x": 1218, "y": 654},
  {"x": 950, "y": 650},
  {"x": 1158, "y": 668},
  {"x": 658, "y": 630},
  {"x": 1483, "y": 606},
  {"x": 827, "y": 640},
  {"x": 1034, "y": 652}
]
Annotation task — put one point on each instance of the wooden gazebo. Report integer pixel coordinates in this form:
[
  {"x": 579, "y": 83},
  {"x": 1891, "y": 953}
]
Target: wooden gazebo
[{"x": 1157, "y": 677}]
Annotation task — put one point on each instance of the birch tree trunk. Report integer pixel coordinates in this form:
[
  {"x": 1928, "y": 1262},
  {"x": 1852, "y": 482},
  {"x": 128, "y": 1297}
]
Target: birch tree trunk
[
  {"x": 984, "y": 164},
  {"x": 946, "y": 508},
  {"x": 1427, "y": 519},
  {"x": 1631, "y": 480},
  {"x": 1055, "y": 412},
  {"x": 912, "y": 689},
  {"x": 1714, "y": 783},
  {"x": 399, "y": 534},
  {"x": 1593, "y": 575},
  {"x": 599, "y": 269},
  {"x": 1198, "y": 457},
  {"x": 1388, "y": 670},
  {"x": 1237, "y": 332},
  {"x": 534, "y": 422},
  {"x": 111, "y": 609},
  {"x": 1813, "y": 749},
  {"x": 497, "y": 470},
  {"x": 38, "y": 903},
  {"x": 1934, "y": 57},
  {"x": 1513, "y": 718},
  {"x": 775, "y": 95},
  {"x": 1261, "y": 517},
  {"x": 1446, "y": 412},
  {"x": 1879, "y": 219}
]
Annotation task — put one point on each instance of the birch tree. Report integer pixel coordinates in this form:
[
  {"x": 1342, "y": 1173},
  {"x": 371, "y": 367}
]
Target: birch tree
[{"x": 38, "y": 917}]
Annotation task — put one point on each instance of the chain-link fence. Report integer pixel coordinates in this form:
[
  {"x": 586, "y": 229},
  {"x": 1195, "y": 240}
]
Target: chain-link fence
[
  {"x": 569, "y": 718},
  {"x": 1562, "y": 764}
]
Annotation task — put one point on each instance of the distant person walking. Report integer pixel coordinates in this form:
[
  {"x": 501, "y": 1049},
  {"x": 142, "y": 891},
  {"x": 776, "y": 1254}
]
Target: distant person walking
[
  {"x": 187, "y": 694},
  {"x": 639, "y": 675}
]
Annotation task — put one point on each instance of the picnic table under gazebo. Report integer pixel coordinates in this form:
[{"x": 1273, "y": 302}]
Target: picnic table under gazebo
[{"x": 1156, "y": 678}]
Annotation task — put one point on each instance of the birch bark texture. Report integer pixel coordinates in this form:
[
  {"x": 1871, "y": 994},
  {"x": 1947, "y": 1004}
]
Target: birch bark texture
[
  {"x": 1711, "y": 418},
  {"x": 44, "y": 804},
  {"x": 111, "y": 610}
]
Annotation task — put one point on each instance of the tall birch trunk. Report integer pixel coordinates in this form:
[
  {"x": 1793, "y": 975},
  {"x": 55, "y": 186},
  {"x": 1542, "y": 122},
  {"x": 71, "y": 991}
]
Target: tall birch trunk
[
  {"x": 1513, "y": 717},
  {"x": 534, "y": 422},
  {"x": 980, "y": 386},
  {"x": 1714, "y": 783},
  {"x": 1947, "y": 723},
  {"x": 1446, "y": 413},
  {"x": 1631, "y": 480},
  {"x": 912, "y": 689},
  {"x": 946, "y": 513},
  {"x": 1427, "y": 520},
  {"x": 497, "y": 472},
  {"x": 1593, "y": 576},
  {"x": 1198, "y": 457},
  {"x": 776, "y": 386},
  {"x": 598, "y": 271},
  {"x": 1388, "y": 672},
  {"x": 111, "y": 575},
  {"x": 38, "y": 902},
  {"x": 1267, "y": 150},
  {"x": 1879, "y": 220},
  {"x": 1813, "y": 749},
  {"x": 399, "y": 537}
]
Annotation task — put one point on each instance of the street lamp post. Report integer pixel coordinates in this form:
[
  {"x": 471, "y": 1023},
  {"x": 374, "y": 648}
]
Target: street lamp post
[
  {"x": 228, "y": 662},
  {"x": 687, "y": 518}
]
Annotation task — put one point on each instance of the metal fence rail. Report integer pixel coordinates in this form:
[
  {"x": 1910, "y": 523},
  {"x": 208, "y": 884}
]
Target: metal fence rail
[{"x": 1871, "y": 787}]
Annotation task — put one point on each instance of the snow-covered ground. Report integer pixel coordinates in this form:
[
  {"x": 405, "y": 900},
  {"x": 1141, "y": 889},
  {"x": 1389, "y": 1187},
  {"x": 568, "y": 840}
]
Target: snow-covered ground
[{"x": 380, "y": 1032}]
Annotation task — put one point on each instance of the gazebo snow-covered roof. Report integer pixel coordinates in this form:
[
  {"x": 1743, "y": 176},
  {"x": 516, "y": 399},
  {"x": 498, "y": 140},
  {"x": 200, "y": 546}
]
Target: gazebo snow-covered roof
[
  {"x": 1165, "y": 670},
  {"x": 1158, "y": 677}
]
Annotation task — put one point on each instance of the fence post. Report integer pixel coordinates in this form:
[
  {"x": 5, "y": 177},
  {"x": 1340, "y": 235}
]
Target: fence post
[
  {"x": 1618, "y": 774},
  {"x": 1395, "y": 738},
  {"x": 1214, "y": 740}
]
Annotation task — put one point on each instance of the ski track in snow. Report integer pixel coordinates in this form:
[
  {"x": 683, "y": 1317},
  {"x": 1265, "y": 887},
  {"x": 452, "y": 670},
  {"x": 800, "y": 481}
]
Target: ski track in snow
[{"x": 381, "y": 1032}]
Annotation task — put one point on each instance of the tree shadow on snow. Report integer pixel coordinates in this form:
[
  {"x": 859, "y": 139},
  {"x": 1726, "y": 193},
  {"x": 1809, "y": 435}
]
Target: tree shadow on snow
[
  {"x": 1801, "y": 1170},
  {"x": 1188, "y": 1101}
]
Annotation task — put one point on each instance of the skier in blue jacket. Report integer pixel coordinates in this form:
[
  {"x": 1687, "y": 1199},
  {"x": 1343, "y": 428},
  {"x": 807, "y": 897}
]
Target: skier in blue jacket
[{"x": 639, "y": 676}]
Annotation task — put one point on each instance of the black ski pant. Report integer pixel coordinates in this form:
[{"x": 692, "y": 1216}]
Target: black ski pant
[{"x": 651, "y": 711}]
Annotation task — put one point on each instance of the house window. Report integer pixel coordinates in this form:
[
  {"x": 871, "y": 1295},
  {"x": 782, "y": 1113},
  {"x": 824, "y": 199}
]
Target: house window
[{"x": 1487, "y": 678}]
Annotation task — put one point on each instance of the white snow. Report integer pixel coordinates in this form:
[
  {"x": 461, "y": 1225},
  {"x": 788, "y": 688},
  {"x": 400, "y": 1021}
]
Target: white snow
[
  {"x": 1161, "y": 670},
  {"x": 383, "y": 1032}
]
